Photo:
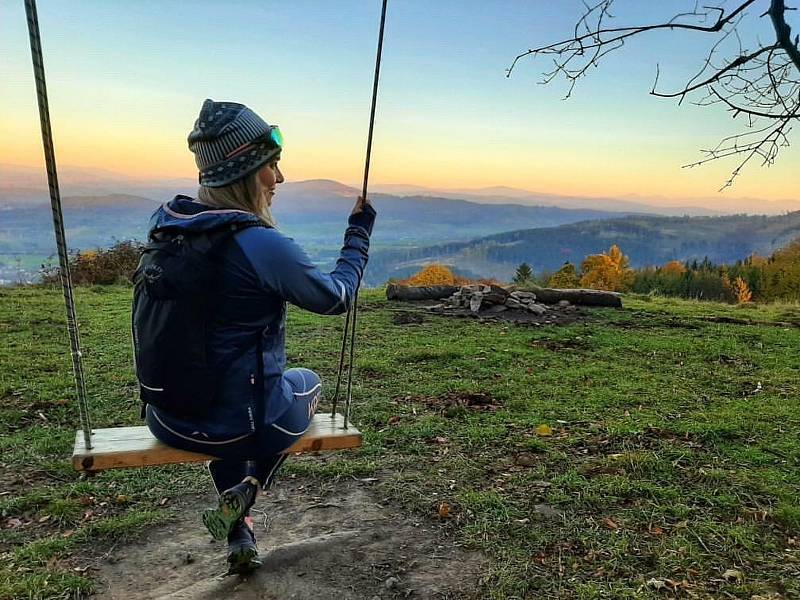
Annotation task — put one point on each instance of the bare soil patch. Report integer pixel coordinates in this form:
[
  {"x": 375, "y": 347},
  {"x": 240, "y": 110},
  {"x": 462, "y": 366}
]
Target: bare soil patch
[
  {"x": 407, "y": 317},
  {"x": 555, "y": 315},
  {"x": 342, "y": 544},
  {"x": 576, "y": 344}
]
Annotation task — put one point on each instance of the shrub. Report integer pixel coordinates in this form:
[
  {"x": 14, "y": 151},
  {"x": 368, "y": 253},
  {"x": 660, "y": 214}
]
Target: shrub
[
  {"x": 741, "y": 291},
  {"x": 434, "y": 274},
  {"x": 99, "y": 267},
  {"x": 565, "y": 277}
]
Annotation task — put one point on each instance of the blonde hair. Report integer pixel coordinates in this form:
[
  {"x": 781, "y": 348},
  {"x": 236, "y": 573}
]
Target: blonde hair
[{"x": 247, "y": 194}]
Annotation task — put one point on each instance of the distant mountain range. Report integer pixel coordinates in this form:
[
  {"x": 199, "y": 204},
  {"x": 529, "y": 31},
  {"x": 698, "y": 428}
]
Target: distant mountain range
[
  {"x": 647, "y": 240},
  {"x": 25, "y": 184},
  {"x": 313, "y": 212},
  {"x": 485, "y": 232}
]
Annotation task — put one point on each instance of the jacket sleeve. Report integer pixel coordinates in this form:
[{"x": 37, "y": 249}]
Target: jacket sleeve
[{"x": 285, "y": 269}]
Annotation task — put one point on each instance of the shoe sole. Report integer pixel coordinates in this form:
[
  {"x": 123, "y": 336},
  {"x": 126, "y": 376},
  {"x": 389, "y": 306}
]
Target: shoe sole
[
  {"x": 243, "y": 561},
  {"x": 221, "y": 520}
]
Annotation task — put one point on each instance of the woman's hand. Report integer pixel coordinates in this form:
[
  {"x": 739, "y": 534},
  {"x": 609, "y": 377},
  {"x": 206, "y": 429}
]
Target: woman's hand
[
  {"x": 361, "y": 203},
  {"x": 363, "y": 215}
]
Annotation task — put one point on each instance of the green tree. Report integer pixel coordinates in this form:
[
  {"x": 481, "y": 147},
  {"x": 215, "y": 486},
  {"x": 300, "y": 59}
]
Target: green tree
[{"x": 523, "y": 275}]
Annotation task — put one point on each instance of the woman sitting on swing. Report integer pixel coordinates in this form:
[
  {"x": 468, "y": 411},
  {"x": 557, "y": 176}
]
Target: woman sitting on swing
[{"x": 258, "y": 410}]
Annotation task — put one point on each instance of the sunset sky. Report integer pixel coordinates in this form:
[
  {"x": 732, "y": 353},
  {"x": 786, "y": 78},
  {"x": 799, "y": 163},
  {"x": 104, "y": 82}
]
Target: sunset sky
[{"x": 126, "y": 80}]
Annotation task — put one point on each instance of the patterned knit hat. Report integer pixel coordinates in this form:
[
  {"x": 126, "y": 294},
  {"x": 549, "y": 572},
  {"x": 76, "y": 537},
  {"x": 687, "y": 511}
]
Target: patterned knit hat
[{"x": 230, "y": 141}]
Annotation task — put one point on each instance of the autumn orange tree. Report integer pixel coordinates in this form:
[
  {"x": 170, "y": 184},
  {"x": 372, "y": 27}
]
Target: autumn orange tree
[
  {"x": 607, "y": 271},
  {"x": 741, "y": 291},
  {"x": 433, "y": 274},
  {"x": 673, "y": 267},
  {"x": 566, "y": 277},
  {"x": 782, "y": 273}
]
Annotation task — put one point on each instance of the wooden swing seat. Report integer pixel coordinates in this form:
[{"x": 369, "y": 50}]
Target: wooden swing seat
[{"x": 120, "y": 447}]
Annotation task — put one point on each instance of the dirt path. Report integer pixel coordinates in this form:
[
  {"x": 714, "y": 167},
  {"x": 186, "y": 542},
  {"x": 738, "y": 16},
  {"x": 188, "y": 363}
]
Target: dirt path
[{"x": 340, "y": 544}]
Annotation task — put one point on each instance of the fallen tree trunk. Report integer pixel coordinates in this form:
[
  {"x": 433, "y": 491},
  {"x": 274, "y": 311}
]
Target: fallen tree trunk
[
  {"x": 580, "y": 297},
  {"x": 407, "y": 292}
]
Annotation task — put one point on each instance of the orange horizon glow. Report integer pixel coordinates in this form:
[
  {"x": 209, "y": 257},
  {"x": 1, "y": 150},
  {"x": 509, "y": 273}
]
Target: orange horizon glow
[{"x": 447, "y": 116}]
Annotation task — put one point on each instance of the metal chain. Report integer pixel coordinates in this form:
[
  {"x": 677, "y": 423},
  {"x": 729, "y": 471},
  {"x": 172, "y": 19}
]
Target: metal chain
[
  {"x": 58, "y": 218},
  {"x": 350, "y": 321}
]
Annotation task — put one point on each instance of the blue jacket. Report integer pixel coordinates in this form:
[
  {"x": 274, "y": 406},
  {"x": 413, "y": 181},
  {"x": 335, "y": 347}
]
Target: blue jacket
[{"x": 261, "y": 270}]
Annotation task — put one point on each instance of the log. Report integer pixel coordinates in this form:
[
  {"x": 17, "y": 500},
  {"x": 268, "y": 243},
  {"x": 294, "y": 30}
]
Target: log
[
  {"x": 581, "y": 297},
  {"x": 408, "y": 292}
]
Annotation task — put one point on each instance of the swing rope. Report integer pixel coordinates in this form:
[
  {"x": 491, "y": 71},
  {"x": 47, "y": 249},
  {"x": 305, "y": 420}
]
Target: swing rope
[
  {"x": 349, "y": 334},
  {"x": 58, "y": 218},
  {"x": 350, "y": 319}
]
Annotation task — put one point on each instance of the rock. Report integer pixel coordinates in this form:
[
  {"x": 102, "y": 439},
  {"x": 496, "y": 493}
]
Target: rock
[
  {"x": 514, "y": 303},
  {"x": 494, "y": 309},
  {"x": 563, "y": 303},
  {"x": 520, "y": 295},
  {"x": 475, "y": 302},
  {"x": 537, "y": 309},
  {"x": 495, "y": 295},
  {"x": 391, "y": 583}
]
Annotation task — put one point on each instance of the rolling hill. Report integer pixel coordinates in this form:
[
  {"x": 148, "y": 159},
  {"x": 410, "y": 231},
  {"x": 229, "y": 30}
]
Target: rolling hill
[
  {"x": 647, "y": 240},
  {"x": 313, "y": 212}
]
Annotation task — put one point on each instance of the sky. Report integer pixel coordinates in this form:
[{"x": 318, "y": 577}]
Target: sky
[{"x": 126, "y": 81}]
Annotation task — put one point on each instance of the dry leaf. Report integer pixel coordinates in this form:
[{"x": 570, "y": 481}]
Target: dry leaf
[
  {"x": 526, "y": 459},
  {"x": 610, "y": 523},
  {"x": 733, "y": 576},
  {"x": 444, "y": 510},
  {"x": 544, "y": 430},
  {"x": 121, "y": 499},
  {"x": 661, "y": 584}
]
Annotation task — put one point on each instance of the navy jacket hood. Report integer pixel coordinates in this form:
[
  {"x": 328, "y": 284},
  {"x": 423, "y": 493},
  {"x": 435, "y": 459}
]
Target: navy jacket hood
[{"x": 183, "y": 212}]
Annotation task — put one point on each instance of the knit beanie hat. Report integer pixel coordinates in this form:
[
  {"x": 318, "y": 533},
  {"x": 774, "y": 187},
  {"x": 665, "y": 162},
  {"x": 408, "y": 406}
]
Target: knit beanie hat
[{"x": 229, "y": 141}]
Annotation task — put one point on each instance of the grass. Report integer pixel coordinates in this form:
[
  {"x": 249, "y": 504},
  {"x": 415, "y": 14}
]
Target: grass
[{"x": 673, "y": 458}]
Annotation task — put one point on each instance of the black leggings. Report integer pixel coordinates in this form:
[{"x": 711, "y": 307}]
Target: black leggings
[{"x": 261, "y": 454}]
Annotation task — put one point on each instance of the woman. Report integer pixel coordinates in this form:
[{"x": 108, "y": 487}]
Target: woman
[{"x": 258, "y": 409}]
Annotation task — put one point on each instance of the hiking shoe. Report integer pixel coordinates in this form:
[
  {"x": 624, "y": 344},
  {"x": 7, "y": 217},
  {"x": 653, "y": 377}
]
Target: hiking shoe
[
  {"x": 242, "y": 549},
  {"x": 232, "y": 507}
]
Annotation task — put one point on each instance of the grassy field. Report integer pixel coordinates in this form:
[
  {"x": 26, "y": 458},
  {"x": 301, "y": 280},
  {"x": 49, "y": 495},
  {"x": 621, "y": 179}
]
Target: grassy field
[{"x": 641, "y": 453}]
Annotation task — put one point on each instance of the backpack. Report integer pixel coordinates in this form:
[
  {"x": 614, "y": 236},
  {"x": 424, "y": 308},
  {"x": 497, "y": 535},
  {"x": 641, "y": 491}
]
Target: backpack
[{"x": 174, "y": 293}]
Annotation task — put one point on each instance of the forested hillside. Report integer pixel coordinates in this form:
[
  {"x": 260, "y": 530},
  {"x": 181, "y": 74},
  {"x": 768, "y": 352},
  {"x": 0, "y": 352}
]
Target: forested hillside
[
  {"x": 646, "y": 240},
  {"x": 314, "y": 213}
]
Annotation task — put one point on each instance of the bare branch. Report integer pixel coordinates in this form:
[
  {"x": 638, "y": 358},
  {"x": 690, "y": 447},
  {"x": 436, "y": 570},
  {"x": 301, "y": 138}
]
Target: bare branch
[
  {"x": 760, "y": 85},
  {"x": 783, "y": 33}
]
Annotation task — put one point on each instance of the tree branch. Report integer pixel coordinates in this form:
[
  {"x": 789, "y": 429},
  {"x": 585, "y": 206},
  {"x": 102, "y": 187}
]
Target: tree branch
[
  {"x": 783, "y": 32},
  {"x": 761, "y": 83}
]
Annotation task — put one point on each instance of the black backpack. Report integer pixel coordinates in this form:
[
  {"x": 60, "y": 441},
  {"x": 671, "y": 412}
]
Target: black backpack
[{"x": 173, "y": 296}]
